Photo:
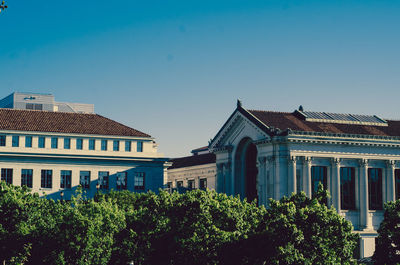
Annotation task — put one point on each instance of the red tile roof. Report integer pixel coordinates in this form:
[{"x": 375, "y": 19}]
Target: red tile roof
[
  {"x": 287, "y": 120},
  {"x": 194, "y": 160},
  {"x": 62, "y": 122}
]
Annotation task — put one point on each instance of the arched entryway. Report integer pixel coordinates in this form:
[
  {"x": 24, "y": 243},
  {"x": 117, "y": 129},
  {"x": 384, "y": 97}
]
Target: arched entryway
[{"x": 246, "y": 169}]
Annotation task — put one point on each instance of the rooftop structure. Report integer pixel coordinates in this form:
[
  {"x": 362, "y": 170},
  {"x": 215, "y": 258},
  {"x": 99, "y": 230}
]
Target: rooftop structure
[{"x": 38, "y": 101}]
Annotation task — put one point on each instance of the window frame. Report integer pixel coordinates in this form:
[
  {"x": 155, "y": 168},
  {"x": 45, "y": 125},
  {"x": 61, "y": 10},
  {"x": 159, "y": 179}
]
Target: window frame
[
  {"x": 122, "y": 180},
  {"x": 27, "y": 177},
  {"x": 347, "y": 188},
  {"x": 104, "y": 144},
  {"x": 139, "y": 146},
  {"x": 3, "y": 140},
  {"x": 115, "y": 145},
  {"x": 65, "y": 179},
  {"x": 46, "y": 179},
  {"x": 54, "y": 142},
  {"x": 67, "y": 143},
  {"x": 7, "y": 175},
  {"x": 104, "y": 180},
  {"x": 92, "y": 144},
  {"x": 375, "y": 189},
  {"x": 84, "y": 179},
  {"x": 79, "y": 144},
  {"x": 318, "y": 174},
  {"x": 41, "y": 142},
  {"x": 128, "y": 146},
  {"x": 28, "y": 144},
  {"x": 139, "y": 180},
  {"x": 203, "y": 181},
  {"x": 15, "y": 141}
]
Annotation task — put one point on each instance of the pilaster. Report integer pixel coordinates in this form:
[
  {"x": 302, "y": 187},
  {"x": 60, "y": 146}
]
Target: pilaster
[
  {"x": 365, "y": 221},
  {"x": 307, "y": 176},
  {"x": 335, "y": 190},
  {"x": 390, "y": 181},
  {"x": 292, "y": 175}
]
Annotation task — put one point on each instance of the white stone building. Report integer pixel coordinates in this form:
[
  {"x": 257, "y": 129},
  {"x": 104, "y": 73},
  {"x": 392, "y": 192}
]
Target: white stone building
[
  {"x": 265, "y": 154},
  {"x": 55, "y": 152},
  {"x": 192, "y": 172}
]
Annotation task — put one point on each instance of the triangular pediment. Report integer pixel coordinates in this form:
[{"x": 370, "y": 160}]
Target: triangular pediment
[{"x": 240, "y": 124}]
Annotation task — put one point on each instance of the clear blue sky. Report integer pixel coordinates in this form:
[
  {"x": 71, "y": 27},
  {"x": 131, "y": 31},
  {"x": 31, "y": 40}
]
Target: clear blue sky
[{"x": 174, "y": 69}]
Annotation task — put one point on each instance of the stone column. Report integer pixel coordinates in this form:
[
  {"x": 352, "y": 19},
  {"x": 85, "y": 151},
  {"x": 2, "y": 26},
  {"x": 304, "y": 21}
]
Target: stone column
[
  {"x": 365, "y": 222},
  {"x": 261, "y": 180},
  {"x": 390, "y": 181},
  {"x": 292, "y": 184},
  {"x": 307, "y": 176},
  {"x": 336, "y": 184}
]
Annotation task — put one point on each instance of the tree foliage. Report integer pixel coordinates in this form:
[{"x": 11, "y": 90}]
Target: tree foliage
[
  {"x": 296, "y": 230},
  {"x": 387, "y": 248},
  {"x": 197, "y": 227}
]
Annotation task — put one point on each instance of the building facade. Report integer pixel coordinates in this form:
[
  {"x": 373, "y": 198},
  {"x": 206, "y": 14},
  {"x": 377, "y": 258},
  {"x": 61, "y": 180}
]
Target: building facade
[
  {"x": 55, "y": 152},
  {"x": 37, "y": 101},
  {"x": 192, "y": 172},
  {"x": 266, "y": 154}
]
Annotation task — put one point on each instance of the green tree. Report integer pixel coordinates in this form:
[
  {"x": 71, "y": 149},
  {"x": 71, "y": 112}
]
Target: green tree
[
  {"x": 18, "y": 209},
  {"x": 180, "y": 228},
  {"x": 387, "y": 249},
  {"x": 79, "y": 232},
  {"x": 296, "y": 230}
]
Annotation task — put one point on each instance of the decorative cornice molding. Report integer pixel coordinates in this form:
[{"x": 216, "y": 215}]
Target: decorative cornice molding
[{"x": 348, "y": 135}]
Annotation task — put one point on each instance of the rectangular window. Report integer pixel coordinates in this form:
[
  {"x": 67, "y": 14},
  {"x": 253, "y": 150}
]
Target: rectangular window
[
  {"x": 34, "y": 106},
  {"x": 2, "y": 140},
  {"x": 103, "y": 180},
  {"x": 15, "y": 141},
  {"x": 397, "y": 183},
  {"x": 67, "y": 143},
  {"x": 103, "y": 145},
  {"x": 191, "y": 184},
  {"x": 28, "y": 141},
  {"x": 318, "y": 175},
  {"x": 54, "y": 142},
  {"x": 84, "y": 179},
  {"x": 116, "y": 145},
  {"x": 203, "y": 184},
  {"x": 128, "y": 146},
  {"x": 66, "y": 176},
  {"x": 375, "y": 189},
  {"x": 91, "y": 144},
  {"x": 26, "y": 177},
  {"x": 41, "y": 142},
  {"x": 139, "y": 181},
  {"x": 79, "y": 144},
  {"x": 122, "y": 180},
  {"x": 347, "y": 188},
  {"x": 139, "y": 146},
  {"x": 7, "y": 175},
  {"x": 179, "y": 184},
  {"x": 46, "y": 179}
]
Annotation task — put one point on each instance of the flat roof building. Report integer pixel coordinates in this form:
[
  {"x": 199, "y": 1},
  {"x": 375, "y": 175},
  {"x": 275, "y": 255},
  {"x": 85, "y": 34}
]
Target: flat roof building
[{"x": 38, "y": 101}]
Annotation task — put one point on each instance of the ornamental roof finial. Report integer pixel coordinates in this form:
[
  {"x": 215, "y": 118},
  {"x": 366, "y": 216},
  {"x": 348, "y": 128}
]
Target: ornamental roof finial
[
  {"x": 239, "y": 103},
  {"x": 301, "y": 108}
]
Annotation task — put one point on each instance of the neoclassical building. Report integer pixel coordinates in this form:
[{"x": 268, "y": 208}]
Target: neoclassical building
[
  {"x": 267, "y": 154},
  {"x": 55, "y": 152}
]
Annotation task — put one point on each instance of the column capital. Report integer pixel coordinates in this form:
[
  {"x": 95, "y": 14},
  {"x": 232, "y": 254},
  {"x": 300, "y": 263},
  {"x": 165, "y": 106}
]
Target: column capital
[
  {"x": 307, "y": 160},
  {"x": 363, "y": 162},
  {"x": 292, "y": 160},
  {"x": 270, "y": 159},
  {"x": 335, "y": 161},
  {"x": 262, "y": 159},
  {"x": 390, "y": 164}
]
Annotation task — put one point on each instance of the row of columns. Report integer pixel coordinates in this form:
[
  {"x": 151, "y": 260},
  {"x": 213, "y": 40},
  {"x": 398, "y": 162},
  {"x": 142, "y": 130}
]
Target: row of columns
[{"x": 365, "y": 221}]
